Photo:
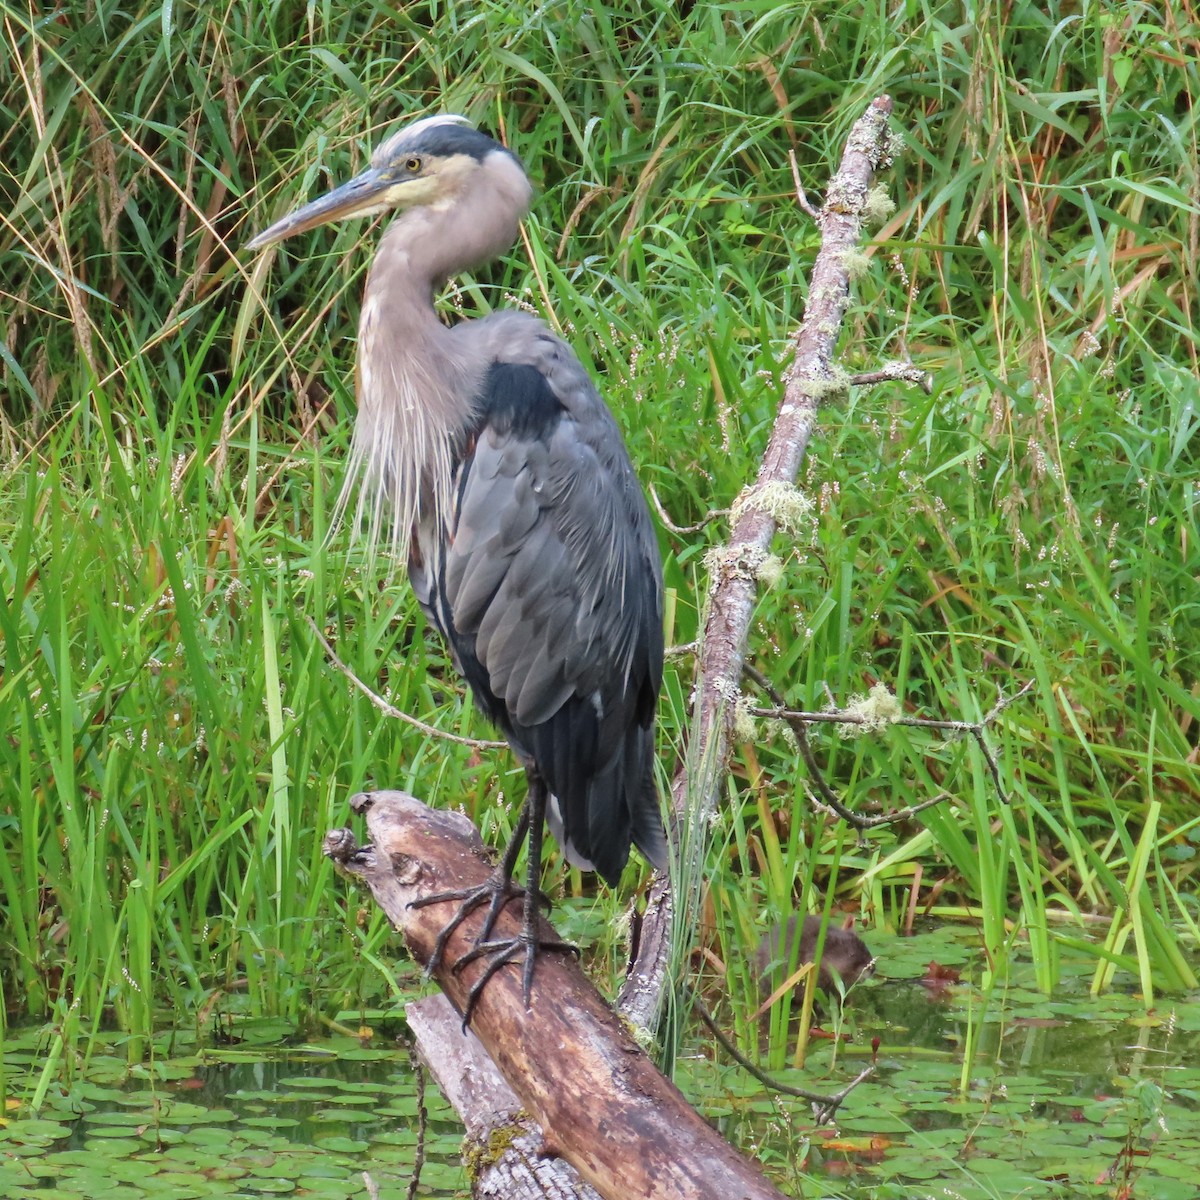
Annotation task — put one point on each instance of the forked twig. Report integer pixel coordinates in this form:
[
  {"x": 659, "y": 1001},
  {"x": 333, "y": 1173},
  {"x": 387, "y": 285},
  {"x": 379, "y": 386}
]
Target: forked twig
[
  {"x": 801, "y": 195},
  {"x": 798, "y": 721},
  {"x": 668, "y": 524}
]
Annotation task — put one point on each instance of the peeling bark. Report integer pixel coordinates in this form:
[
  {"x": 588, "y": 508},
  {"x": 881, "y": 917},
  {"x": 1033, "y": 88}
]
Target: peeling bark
[{"x": 503, "y": 1152}]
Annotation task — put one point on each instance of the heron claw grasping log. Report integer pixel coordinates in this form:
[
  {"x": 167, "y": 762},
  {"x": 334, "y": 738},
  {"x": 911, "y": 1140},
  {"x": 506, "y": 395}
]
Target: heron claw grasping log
[
  {"x": 491, "y": 460},
  {"x": 524, "y": 947},
  {"x": 496, "y": 893}
]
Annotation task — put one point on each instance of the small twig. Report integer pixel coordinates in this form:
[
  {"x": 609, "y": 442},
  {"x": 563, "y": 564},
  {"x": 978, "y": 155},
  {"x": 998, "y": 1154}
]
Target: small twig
[
  {"x": 683, "y": 650},
  {"x": 422, "y": 1121},
  {"x": 801, "y": 195},
  {"x": 831, "y": 798},
  {"x": 798, "y": 721},
  {"x": 824, "y": 1107},
  {"x": 904, "y": 372},
  {"x": 668, "y": 524},
  {"x": 391, "y": 710},
  {"x": 837, "y": 716}
]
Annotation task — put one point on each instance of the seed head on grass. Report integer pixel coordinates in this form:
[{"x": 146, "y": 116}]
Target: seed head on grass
[{"x": 776, "y": 727}]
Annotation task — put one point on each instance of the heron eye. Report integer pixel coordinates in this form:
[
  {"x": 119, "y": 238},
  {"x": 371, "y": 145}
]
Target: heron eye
[{"x": 413, "y": 164}]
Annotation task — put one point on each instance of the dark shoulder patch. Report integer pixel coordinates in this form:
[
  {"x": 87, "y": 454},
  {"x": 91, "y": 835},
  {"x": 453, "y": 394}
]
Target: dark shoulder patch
[{"x": 517, "y": 399}]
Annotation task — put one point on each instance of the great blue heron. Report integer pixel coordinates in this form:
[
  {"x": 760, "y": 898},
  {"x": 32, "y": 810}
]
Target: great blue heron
[{"x": 504, "y": 479}]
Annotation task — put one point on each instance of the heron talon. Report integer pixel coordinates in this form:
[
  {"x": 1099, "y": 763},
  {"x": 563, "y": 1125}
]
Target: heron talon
[
  {"x": 496, "y": 893},
  {"x": 499, "y": 954}
]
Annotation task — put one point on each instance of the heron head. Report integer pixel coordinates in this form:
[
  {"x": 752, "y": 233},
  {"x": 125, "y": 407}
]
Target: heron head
[{"x": 434, "y": 163}]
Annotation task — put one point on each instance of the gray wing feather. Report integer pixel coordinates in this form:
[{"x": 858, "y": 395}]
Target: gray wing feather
[
  {"x": 552, "y": 573},
  {"x": 548, "y": 545}
]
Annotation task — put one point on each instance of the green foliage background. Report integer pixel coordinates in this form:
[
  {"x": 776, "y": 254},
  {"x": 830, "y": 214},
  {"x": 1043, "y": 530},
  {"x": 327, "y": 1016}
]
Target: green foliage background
[{"x": 173, "y": 740}]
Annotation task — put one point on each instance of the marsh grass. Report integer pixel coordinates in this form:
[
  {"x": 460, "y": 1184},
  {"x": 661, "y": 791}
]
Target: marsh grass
[{"x": 176, "y": 416}]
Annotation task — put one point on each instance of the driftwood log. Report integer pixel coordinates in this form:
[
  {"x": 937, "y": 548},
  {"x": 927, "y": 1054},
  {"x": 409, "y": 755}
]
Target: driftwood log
[
  {"x": 601, "y": 1103},
  {"x": 504, "y": 1145}
]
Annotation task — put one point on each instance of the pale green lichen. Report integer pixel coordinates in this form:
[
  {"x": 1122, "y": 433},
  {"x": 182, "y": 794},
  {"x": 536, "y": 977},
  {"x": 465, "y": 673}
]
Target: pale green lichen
[
  {"x": 836, "y": 383},
  {"x": 640, "y": 1034},
  {"x": 879, "y": 205},
  {"x": 821, "y": 295},
  {"x": 856, "y": 263},
  {"x": 893, "y": 147},
  {"x": 479, "y": 1156},
  {"x": 727, "y": 562},
  {"x": 770, "y": 570},
  {"x": 784, "y": 503},
  {"x": 873, "y": 712},
  {"x": 745, "y": 727}
]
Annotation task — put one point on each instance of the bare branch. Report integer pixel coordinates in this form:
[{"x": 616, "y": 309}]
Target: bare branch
[
  {"x": 825, "y": 1107},
  {"x": 683, "y": 650},
  {"x": 801, "y": 195},
  {"x": 670, "y": 525},
  {"x": 831, "y": 798},
  {"x": 390, "y": 710},
  {"x": 798, "y": 721},
  {"x": 731, "y": 602},
  {"x": 903, "y": 372}
]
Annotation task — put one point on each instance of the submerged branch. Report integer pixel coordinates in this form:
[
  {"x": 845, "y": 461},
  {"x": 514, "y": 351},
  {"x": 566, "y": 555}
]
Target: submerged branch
[{"x": 824, "y": 1107}]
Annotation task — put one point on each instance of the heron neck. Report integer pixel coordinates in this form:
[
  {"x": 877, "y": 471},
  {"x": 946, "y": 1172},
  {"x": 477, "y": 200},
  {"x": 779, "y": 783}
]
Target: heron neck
[
  {"x": 398, "y": 298},
  {"x": 412, "y": 416}
]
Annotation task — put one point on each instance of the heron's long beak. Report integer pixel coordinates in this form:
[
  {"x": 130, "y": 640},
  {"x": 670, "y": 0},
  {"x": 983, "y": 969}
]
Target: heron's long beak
[{"x": 361, "y": 196}]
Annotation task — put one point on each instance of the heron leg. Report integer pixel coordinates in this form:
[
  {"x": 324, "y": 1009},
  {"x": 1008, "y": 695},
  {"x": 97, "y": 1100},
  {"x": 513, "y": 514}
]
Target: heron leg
[
  {"x": 527, "y": 943},
  {"x": 496, "y": 892}
]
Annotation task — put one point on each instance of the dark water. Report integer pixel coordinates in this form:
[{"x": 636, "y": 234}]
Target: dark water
[
  {"x": 1069, "y": 1096},
  {"x": 235, "y": 1122},
  {"x": 1064, "y": 1096}
]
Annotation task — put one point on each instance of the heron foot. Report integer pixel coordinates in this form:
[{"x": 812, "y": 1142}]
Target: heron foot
[
  {"x": 496, "y": 892},
  {"x": 525, "y": 945}
]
